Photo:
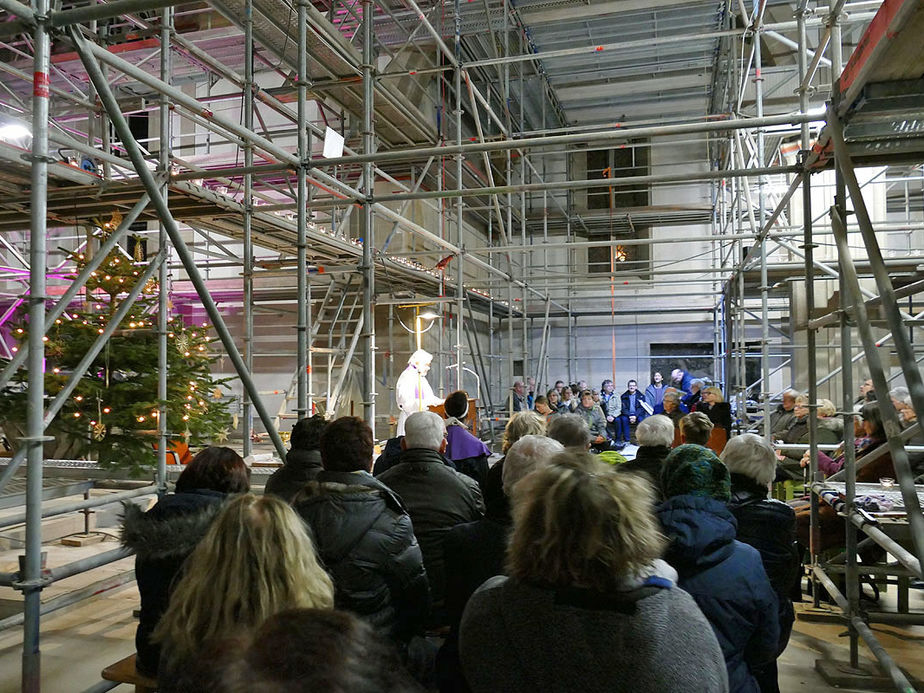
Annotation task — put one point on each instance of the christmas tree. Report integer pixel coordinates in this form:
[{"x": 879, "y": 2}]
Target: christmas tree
[{"x": 113, "y": 414}]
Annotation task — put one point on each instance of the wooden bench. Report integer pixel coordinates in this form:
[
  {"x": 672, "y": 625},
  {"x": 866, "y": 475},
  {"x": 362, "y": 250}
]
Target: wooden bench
[{"x": 124, "y": 671}]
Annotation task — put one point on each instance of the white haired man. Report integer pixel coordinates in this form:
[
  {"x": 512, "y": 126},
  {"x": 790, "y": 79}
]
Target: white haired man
[
  {"x": 437, "y": 497},
  {"x": 412, "y": 391},
  {"x": 783, "y": 415}
]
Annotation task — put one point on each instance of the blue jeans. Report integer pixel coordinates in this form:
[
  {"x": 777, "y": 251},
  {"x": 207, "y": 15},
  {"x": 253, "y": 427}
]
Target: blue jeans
[{"x": 623, "y": 427}]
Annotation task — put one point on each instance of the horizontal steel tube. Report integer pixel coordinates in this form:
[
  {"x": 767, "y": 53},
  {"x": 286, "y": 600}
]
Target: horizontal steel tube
[
  {"x": 102, "y": 687},
  {"x": 70, "y": 598},
  {"x": 615, "y": 135},
  {"x": 76, "y": 567},
  {"x": 18, "y": 9},
  {"x": 644, "y": 43},
  {"x": 90, "y": 562},
  {"x": 882, "y": 450},
  {"x": 79, "y": 15},
  {"x": 81, "y": 505},
  {"x": 592, "y": 183}
]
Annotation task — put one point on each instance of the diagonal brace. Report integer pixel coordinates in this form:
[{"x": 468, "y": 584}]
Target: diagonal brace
[
  {"x": 900, "y": 460},
  {"x": 163, "y": 211},
  {"x": 61, "y": 398},
  {"x": 79, "y": 281}
]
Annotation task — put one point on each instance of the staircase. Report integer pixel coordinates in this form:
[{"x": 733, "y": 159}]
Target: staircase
[{"x": 336, "y": 327}]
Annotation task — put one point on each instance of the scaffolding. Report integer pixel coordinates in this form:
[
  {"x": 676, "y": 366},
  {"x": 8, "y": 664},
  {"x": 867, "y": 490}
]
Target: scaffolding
[{"x": 479, "y": 210}]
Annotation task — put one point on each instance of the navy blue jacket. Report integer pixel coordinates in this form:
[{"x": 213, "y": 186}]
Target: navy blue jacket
[
  {"x": 640, "y": 413},
  {"x": 728, "y": 582}
]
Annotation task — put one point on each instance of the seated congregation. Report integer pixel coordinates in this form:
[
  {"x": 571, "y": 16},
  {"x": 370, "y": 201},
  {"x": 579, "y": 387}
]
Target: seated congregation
[{"x": 560, "y": 567}]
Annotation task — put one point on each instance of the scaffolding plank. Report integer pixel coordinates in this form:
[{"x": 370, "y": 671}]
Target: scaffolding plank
[{"x": 890, "y": 49}]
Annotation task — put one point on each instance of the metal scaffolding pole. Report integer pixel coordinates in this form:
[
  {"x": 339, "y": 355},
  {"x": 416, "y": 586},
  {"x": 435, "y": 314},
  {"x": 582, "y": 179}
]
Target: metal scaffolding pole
[
  {"x": 33, "y": 582},
  {"x": 890, "y": 419},
  {"x": 247, "y": 226},
  {"x": 460, "y": 225},
  {"x": 304, "y": 158},
  {"x": 368, "y": 218},
  {"x": 762, "y": 217},
  {"x": 608, "y": 137},
  {"x": 163, "y": 301},
  {"x": 95, "y": 73}
]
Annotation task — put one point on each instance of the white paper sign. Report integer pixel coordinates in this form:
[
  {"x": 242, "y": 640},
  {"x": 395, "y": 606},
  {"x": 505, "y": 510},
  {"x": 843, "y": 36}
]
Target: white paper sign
[{"x": 333, "y": 144}]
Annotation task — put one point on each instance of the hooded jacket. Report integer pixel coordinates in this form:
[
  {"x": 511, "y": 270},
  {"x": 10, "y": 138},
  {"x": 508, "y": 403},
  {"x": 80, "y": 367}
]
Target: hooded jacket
[
  {"x": 301, "y": 467},
  {"x": 162, "y": 539},
  {"x": 437, "y": 498},
  {"x": 769, "y": 526},
  {"x": 727, "y": 580},
  {"x": 649, "y": 637},
  {"x": 365, "y": 539}
]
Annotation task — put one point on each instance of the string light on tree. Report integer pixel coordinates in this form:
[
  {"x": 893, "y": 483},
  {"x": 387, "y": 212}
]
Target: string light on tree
[{"x": 114, "y": 410}]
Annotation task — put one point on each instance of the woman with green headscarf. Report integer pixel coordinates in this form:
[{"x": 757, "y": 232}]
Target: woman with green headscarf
[{"x": 724, "y": 576}]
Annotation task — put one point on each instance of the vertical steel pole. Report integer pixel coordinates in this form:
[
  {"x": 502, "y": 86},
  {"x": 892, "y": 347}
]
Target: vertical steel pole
[
  {"x": 368, "y": 220},
  {"x": 460, "y": 243},
  {"x": 801, "y": 12},
  {"x": 524, "y": 256},
  {"x": 163, "y": 302},
  {"x": 35, "y": 426},
  {"x": 247, "y": 410},
  {"x": 762, "y": 211},
  {"x": 304, "y": 158}
]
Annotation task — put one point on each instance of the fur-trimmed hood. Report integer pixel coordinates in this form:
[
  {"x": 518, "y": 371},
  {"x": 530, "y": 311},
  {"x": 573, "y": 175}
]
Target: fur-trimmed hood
[{"x": 173, "y": 527}]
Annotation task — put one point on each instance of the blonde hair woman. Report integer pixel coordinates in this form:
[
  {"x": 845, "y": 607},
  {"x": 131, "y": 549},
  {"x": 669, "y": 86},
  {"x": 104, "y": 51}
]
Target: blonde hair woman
[
  {"x": 583, "y": 558},
  {"x": 256, "y": 560},
  {"x": 713, "y": 405},
  {"x": 523, "y": 423}
]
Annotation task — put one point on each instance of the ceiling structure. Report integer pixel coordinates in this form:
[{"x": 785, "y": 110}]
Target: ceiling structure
[{"x": 590, "y": 71}]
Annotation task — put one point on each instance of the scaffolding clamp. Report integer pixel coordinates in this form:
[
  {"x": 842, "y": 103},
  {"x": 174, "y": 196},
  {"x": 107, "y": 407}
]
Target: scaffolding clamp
[
  {"x": 34, "y": 158},
  {"x": 39, "y": 583},
  {"x": 37, "y": 439}
]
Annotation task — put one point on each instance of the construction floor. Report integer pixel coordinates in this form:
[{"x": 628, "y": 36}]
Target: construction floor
[{"x": 77, "y": 642}]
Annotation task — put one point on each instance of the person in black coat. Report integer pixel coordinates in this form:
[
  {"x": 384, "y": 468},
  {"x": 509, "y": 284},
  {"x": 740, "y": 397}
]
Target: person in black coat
[
  {"x": 716, "y": 408},
  {"x": 436, "y": 496},
  {"x": 475, "y": 551},
  {"x": 303, "y": 461},
  {"x": 364, "y": 536},
  {"x": 163, "y": 537},
  {"x": 769, "y": 526},
  {"x": 655, "y": 436}
]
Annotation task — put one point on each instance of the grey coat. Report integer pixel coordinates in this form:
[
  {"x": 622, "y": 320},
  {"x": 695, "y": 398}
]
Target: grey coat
[{"x": 523, "y": 638}]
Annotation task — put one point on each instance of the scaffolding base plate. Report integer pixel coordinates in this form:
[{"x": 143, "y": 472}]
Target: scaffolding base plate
[{"x": 866, "y": 677}]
